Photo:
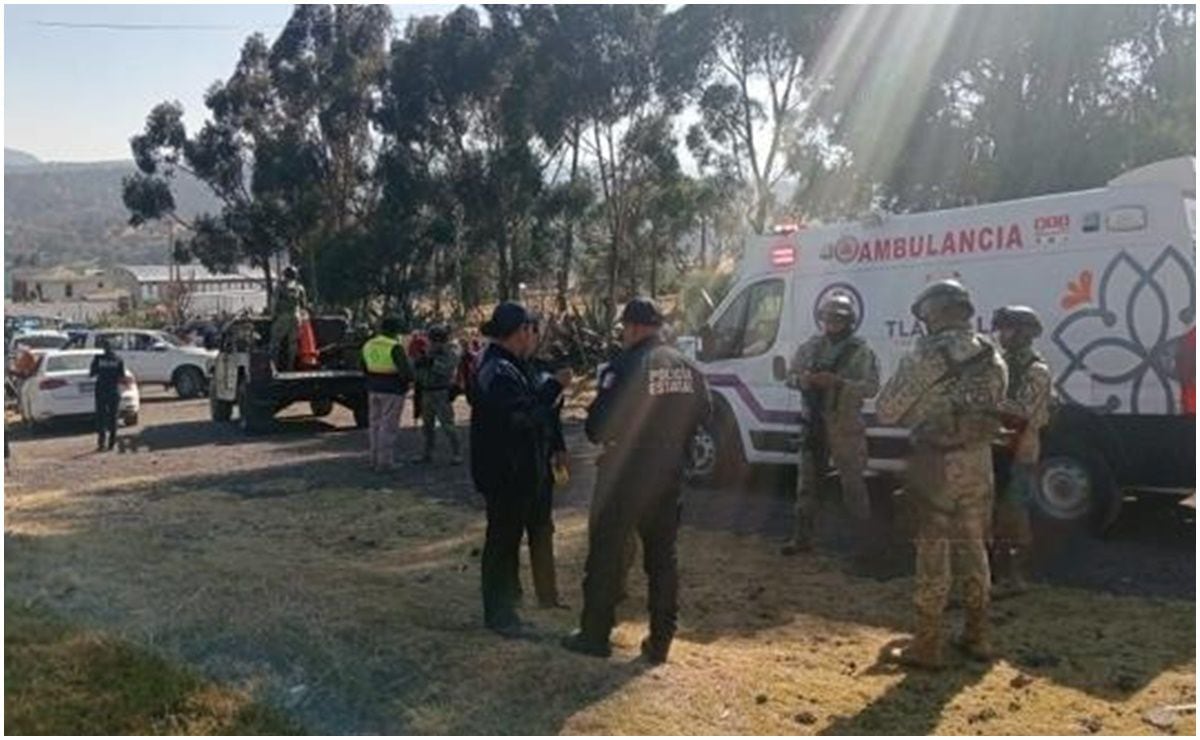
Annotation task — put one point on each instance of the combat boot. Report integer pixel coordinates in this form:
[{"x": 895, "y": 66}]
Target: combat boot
[
  {"x": 925, "y": 650},
  {"x": 801, "y": 540},
  {"x": 976, "y": 639}
]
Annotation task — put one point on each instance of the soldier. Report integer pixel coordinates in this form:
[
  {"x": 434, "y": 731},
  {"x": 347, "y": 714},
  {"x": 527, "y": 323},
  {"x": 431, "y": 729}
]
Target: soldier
[
  {"x": 388, "y": 376},
  {"x": 1025, "y": 410},
  {"x": 650, "y": 401},
  {"x": 289, "y": 306},
  {"x": 948, "y": 392},
  {"x": 835, "y": 371},
  {"x": 435, "y": 370}
]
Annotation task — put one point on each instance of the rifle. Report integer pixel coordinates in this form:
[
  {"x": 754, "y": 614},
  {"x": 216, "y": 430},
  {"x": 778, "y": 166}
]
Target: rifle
[{"x": 816, "y": 437}]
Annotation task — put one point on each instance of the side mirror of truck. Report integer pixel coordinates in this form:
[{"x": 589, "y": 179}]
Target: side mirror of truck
[{"x": 779, "y": 368}]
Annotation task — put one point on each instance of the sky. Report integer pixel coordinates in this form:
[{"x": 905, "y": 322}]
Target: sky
[{"x": 76, "y": 94}]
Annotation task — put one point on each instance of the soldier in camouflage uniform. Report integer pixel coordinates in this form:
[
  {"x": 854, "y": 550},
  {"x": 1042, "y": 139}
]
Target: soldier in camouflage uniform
[
  {"x": 948, "y": 391},
  {"x": 1025, "y": 410},
  {"x": 288, "y": 309},
  {"x": 835, "y": 371},
  {"x": 435, "y": 372}
]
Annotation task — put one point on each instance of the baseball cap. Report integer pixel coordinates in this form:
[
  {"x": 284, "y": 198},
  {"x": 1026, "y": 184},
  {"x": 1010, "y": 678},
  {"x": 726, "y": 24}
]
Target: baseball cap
[
  {"x": 642, "y": 311},
  {"x": 507, "y": 318}
]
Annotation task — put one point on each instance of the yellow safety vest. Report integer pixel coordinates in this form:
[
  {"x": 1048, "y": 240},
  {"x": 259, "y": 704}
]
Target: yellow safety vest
[{"x": 377, "y": 354}]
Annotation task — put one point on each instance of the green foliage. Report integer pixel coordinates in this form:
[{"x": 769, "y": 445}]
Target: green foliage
[{"x": 699, "y": 294}]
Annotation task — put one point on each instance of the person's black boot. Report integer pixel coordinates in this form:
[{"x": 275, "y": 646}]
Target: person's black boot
[
  {"x": 655, "y": 651},
  {"x": 577, "y": 642}
]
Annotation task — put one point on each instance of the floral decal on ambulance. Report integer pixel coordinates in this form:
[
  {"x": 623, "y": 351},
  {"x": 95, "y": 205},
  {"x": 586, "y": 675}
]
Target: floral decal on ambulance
[{"x": 1120, "y": 349}]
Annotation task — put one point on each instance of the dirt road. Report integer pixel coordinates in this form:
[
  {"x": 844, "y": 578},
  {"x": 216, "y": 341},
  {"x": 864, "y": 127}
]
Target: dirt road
[{"x": 350, "y": 600}]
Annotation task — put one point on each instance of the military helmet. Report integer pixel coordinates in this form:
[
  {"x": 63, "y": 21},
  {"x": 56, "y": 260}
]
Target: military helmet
[
  {"x": 1022, "y": 318},
  {"x": 289, "y": 273},
  {"x": 940, "y": 296},
  {"x": 439, "y": 333},
  {"x": 839, "y": 306}
]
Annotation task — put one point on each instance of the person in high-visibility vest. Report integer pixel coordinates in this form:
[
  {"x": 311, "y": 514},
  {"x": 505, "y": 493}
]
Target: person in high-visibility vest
[{"x": 388, "y": 378}]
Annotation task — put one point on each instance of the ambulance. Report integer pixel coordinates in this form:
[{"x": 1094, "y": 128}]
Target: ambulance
[{"x": 1111, "y": 271}]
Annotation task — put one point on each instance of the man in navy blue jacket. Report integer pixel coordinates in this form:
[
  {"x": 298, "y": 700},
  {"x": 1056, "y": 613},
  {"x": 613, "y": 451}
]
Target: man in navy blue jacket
[{"x": 512, "y": 418}]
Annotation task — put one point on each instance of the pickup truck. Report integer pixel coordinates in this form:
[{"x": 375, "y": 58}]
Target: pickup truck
[
  {"x": 244, "y": 375},
  {"x": 155, "y": 357}
]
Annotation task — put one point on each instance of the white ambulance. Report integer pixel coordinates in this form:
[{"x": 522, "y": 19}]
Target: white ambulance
[{"x": 1111, "y": 271}]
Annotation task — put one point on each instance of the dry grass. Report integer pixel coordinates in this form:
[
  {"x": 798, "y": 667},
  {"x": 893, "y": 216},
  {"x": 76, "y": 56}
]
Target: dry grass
[
  {"x": 63, "y": 681},
  {"x": 353, "y": 605}
]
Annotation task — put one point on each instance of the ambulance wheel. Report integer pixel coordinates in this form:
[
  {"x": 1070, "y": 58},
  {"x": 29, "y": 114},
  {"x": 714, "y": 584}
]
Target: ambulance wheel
[
  {"x": 715, "y": 453},
  {"x": 321, "y": 406},
  {"x": 1073, "y": 484}
]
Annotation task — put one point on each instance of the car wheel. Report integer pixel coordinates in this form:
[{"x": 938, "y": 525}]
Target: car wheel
[
  {"x": 715, "y": 453},
  {"x": 1073, "y": 484},
  {"x": 188, "y": 382},
  {"x": 321, "y": 406},
  {"x": 251, "y": 418}
]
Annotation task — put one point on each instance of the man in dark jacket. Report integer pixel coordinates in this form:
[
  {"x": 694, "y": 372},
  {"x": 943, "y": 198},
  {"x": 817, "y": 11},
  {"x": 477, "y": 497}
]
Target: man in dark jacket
[
  {"x": 108, "y": 369},
  {"x": 510, "y": 442},
  {"x": 650, "y": 401}
]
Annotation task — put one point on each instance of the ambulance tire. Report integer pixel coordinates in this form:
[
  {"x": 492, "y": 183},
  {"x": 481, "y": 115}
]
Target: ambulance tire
[
  {"x": 1075, "y": 485},
  {"x": 719, "y": 445}
]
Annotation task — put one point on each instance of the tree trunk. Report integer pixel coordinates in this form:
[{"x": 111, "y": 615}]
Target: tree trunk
[
  {"x": 564, "y": 268},
  {"x": 610, "y": 304},
  {"x": 703, "y": 242},
  {"x": 654, "y": 275},
  {"x": 502, "y": 267}
]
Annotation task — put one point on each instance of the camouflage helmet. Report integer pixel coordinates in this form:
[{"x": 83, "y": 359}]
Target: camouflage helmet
[
  {"x": 941, "y": 296},
  {"x": 438, "y": 333},
  {"x": 1021, "y": 318},
  {"x": 838, "y": 306}
]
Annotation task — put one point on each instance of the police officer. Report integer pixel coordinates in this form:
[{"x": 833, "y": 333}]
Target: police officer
[
  {"x": 948, "y": 391},
  {"x": 1025, "y": 410},
  {"x": 511, "y": 419},
  {"x": 388, "y": 377},
  {"x": 108, "y": 369},
  {"x": 435, "y": 370},
  {"x": 288, "y": 308},
  {"x": 835, "y": 370},
  {"x": 650, "y": 401}
]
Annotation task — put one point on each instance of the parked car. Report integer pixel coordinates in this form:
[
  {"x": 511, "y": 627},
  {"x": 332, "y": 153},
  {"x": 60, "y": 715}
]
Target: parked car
[
  {"x": 62, "y": 387},
  {"x": 156, "y": 357},
  {"x": 38, "y": 339}
]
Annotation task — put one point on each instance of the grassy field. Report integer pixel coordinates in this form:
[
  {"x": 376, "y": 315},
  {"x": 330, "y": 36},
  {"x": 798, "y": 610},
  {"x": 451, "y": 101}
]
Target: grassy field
[
  {"x": 350, "y": 604},
  {"x": 60, "y": 680}
]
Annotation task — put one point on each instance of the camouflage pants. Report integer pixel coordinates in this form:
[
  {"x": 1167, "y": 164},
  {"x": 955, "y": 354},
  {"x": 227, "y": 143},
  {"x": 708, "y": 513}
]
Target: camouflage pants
[
  {"x": 1011, "y": 526},
  {"x": 285, "y": 331},
  {"x": 849, "y": 452},
  {"x": 436, "y": 409},
  {"x": 953, "y": 492}
]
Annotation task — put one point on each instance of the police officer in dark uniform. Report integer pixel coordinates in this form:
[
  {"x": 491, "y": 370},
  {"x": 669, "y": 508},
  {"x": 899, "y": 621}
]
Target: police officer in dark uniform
[
  {"x": 108, "y": 369},
  {"x": 650, "y": 401},
  {"x": 511, "y": 422}
]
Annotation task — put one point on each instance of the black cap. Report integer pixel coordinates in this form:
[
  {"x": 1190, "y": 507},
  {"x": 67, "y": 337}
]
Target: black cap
[
  {"x": 642, "y": 311},
  {"x": 506, "y": 319}
]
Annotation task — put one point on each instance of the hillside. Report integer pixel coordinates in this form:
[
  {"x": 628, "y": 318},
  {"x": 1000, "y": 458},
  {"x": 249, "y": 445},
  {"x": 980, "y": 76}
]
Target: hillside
[
  {"x": 18, "y": 158},
  {"x": 64, "y": 212}
]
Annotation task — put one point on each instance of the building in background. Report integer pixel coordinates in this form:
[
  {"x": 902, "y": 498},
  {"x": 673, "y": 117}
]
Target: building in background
[
  {"x": 205, "y": 292},
  {"x": 59, "y": 284}
]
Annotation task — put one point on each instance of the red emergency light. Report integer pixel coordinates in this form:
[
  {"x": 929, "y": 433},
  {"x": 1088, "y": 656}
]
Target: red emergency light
[{"x": 783, "y": 256}]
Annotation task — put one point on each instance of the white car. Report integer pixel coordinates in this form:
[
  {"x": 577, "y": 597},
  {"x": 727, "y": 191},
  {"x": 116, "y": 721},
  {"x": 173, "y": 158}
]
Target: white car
[
  {"x": 157, "y": 357},
  {"x": 62, "y": 387}
]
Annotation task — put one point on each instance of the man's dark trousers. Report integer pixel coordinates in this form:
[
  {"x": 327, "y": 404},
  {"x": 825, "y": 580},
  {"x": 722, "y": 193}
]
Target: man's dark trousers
[
  {"x": 107, "y": 405},
  {"x": 507, "y": 514},
  {"x": 649, "y": 504}
]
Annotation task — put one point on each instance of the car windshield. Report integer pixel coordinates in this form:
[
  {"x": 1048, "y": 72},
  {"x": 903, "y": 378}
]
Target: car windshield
[
  {"x": 42, "y": 341},
  {"x": 166, "y": 338},
  {"x": 67, "y": 363}
]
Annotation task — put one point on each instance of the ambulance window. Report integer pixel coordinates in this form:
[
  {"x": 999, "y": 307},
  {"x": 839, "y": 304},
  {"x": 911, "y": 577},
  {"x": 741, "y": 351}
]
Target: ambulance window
[
  {"x": 762, "y": 322},
  {"x": 1126, "y": 218},
  {"x": 748, "y": 326},
  {"x": 1091, "y": 222}
]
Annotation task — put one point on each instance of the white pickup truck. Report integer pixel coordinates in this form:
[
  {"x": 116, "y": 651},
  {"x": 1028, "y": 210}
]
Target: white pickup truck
[{"x": 156, "y": 357}]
